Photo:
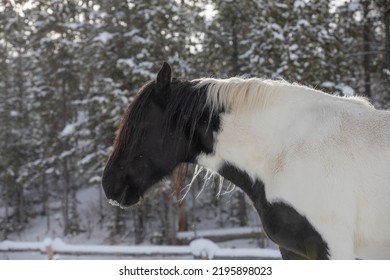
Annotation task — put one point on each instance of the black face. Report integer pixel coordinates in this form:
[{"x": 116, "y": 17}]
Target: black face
[
  {"x": 143, "y": 163},
  {"x": 161, "y": 129}
]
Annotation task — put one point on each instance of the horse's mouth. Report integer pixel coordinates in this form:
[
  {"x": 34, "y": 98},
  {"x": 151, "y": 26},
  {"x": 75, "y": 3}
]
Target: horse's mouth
[{"x": 126, "y": 199}]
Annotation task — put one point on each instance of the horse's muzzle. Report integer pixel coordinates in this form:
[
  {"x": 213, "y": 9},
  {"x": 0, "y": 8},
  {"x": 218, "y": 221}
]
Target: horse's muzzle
[
  {"x": 119, "y": 194},
  {"x": 124, "y": 198}
]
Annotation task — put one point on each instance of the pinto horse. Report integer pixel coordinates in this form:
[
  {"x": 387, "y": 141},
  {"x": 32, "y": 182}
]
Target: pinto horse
[{"x": 315, "y": 166}]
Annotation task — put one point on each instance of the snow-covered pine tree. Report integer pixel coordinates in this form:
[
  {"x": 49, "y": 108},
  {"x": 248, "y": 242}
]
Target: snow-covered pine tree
[
  {"x": 226, "y": 38},
  {"x": 15, "y": 147}
]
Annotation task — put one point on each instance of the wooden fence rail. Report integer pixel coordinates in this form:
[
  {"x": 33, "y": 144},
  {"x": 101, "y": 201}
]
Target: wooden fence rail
[
  {"x": 197, "y": 249},
  {"x": 221, "y": 235}
]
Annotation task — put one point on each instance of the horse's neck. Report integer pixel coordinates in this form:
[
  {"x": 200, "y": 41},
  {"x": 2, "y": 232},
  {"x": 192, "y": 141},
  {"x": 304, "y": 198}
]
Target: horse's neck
[
  {"x": 255, "y": 140},
  {"x": 286, "y": 113}
]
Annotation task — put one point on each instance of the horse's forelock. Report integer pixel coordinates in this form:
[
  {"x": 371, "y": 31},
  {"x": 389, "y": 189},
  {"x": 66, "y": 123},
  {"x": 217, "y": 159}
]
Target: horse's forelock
[{"x": 133, "y": 114}]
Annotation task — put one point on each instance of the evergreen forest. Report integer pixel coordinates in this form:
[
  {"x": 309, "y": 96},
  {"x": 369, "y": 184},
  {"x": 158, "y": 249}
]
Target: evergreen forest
[{"x": 69, "y": 68}]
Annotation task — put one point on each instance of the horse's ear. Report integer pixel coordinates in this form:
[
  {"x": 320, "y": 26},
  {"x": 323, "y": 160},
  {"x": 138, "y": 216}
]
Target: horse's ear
[
  {"x": 163, "y": 81},
  {"x": 163, "y": 84}
]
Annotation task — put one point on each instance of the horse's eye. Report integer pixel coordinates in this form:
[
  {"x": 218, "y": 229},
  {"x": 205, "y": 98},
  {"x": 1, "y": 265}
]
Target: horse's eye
[{"x": 138, "y": 157}]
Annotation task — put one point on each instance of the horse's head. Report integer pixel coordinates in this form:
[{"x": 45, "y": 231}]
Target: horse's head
[{"x": 168, "y": 123}]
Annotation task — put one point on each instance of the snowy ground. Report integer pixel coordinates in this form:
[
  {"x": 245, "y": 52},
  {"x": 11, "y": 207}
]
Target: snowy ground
[{"x": 33, "y": 243}]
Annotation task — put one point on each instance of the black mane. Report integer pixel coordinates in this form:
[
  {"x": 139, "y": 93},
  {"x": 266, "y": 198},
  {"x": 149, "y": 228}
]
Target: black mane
[{"x": 183, "y": 109}]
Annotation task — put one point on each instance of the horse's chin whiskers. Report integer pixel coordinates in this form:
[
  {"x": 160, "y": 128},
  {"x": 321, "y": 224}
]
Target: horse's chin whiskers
[
  {"x": 207, "y": 180},
  {"x": 114, "y": 202},
  {"x": 124, "y": 207},
  {"x": 230, "y": 188}
]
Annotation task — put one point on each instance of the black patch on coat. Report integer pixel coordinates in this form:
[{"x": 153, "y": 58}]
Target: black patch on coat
[{"x": 286, "y": 227}]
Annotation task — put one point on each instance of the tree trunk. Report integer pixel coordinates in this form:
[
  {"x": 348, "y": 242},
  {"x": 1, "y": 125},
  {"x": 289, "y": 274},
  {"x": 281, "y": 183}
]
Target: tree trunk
[
  {"x": 139, "y": 225},
  {"x": 178, "y": 182},
  {"x": 65, "y": 198},
  {"x": 6, "y": 218},
  {"x": 5, "y": 130},
  {"x": 20, "y": 211},
  {"x": 168, "y": 221},
  {"x": 235, "y": 52},
  {"x": 242, "y": 210},
  {"x": 386, "y": 21},
  {"x": 366, "y": 48},
  {"x": 45, "y": 202}
]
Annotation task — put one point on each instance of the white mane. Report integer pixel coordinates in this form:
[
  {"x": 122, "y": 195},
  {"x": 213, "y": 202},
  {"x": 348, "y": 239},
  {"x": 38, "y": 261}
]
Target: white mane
[{"x": 237, "y": 93}]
